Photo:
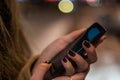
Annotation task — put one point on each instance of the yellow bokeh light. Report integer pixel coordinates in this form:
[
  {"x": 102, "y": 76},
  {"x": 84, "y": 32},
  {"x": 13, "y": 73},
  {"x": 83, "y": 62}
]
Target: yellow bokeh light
[{"x": 65, "y": 6}]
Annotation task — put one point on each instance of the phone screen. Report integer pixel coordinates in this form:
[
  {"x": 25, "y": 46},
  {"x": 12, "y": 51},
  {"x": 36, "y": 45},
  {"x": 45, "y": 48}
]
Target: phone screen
[{"x": 91, "y": 35}]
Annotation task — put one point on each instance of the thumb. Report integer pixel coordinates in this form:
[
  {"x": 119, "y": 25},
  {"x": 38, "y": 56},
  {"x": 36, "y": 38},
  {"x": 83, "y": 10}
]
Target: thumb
[{"x": 40, "y": 71}]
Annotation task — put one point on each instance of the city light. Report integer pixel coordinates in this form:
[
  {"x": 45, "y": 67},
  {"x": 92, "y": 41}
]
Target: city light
[
  {"x": 94, "y": 3},
  {"x": 66, "y": 6}
]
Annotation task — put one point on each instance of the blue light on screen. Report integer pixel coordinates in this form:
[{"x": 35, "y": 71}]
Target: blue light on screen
[{"x": 93, "y": 33}]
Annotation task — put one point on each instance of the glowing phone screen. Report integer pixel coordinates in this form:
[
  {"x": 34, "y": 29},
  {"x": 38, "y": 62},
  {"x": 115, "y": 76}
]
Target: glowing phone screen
[{"x": 90, "y": 36}]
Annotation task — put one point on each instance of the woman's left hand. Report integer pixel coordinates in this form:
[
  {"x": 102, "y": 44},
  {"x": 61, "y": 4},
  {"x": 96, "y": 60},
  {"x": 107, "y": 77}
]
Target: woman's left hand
[
  {"x": 71, "y": 73},
  {"x": 41, "y": 68}
]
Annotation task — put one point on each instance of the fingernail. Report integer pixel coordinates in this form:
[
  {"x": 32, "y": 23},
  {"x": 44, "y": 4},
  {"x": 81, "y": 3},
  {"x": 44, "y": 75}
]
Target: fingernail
[
  {"x": 87, "y": 44},
  {"x": 48, "y": 62},
  {"x": 64, "y": 59},
  {"x": 71, "y": 53}
]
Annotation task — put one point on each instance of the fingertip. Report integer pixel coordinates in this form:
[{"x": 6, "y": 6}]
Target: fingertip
[
  {"x": 86, "y": 44},
  {"x": 69, "y": 69},
  {"x": 103, "y": 37},
  {"x": 64, "y": 60},
  {"x": 101, "y": 40}
]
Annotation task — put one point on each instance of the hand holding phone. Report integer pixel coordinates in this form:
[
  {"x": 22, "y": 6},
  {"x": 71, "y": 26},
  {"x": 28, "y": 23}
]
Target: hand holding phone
[{"x": 93, "y": 34}]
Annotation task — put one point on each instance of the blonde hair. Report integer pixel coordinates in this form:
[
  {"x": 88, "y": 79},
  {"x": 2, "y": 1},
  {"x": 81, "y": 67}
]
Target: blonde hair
[{"x": 14, "y": 50}]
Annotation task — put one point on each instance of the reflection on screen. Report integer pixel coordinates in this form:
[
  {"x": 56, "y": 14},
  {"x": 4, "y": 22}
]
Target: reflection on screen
[{"x": 93, "y": 33}]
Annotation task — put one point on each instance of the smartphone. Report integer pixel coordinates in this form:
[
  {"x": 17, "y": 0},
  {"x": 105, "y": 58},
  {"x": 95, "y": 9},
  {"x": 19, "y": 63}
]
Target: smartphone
[{"x": 92, "y": 34}]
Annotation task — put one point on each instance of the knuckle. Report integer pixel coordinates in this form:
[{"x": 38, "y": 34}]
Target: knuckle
[{"x": 86, "y": 67}]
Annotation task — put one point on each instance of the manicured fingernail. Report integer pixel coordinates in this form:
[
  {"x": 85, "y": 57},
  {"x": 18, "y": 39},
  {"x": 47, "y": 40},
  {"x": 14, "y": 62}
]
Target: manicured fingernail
[
  {"x": 87, "y": 44},
  {"x": 64, "y": 59},
  {"x": 48, "y": 62},
  {"x": 71, "y": 53}
]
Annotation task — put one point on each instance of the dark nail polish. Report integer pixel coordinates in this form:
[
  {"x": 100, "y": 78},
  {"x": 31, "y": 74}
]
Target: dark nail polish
[
  {"x": 48, "y": 62},
  {"x": 71, "y": 53},
  {"x": 86, "y": 43},
  {"x": 64, "y": 59}
]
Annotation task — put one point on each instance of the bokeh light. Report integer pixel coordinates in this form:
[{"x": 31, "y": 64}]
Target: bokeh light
[
  {"x": 94, "y": 3},
  {"x": 66, "y": 6}
]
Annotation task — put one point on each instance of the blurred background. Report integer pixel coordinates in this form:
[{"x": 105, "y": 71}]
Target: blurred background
[{"x": 45, "y": 20}]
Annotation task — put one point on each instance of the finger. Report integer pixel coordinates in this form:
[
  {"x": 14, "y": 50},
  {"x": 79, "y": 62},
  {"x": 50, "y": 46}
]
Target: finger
[
  {"x": 79, "y": 76},
  {"x": 73, "y": 35},
  {"x": 90, "y": 50},
  {"x": 101, "y": 40},
  {"x": 40, "y": 71},
  {"x": 62, "y": 78},
  {"x": 82, "y": 65},
  {"x": 68, "y": 67}
]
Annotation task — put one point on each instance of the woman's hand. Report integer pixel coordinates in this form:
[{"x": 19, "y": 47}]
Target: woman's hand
[{"x": 82, "y": 65}]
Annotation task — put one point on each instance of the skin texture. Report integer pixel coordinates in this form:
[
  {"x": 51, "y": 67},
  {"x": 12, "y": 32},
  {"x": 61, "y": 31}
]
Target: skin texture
[{"x": 82, "y": 65}]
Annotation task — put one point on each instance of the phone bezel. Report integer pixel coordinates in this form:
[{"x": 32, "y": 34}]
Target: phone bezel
[{"x": 101, "y": 29}]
